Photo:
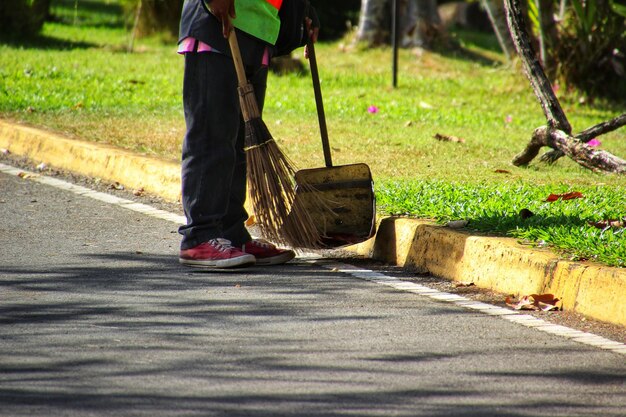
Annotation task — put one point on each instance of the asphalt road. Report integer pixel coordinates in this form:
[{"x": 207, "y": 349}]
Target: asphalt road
[{"x": 97, "y": 318}]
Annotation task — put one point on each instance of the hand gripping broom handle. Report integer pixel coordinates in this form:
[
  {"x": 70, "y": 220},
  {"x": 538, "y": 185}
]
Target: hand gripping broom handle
[
  {"x": 318, "y": 103},
  {"x": 247, "y": 99}
]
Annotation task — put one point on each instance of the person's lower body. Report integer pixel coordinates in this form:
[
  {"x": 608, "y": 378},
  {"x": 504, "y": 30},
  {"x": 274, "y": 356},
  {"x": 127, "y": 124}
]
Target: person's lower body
[{"x": 214, "y": 167}]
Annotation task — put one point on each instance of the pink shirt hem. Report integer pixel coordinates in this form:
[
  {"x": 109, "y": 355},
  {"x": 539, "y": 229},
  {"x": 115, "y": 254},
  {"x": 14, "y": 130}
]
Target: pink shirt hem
[{"x": 188, "y": 45}]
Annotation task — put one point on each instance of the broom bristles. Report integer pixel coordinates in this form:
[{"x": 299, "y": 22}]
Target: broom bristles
[{"x": 272, "y": 190}]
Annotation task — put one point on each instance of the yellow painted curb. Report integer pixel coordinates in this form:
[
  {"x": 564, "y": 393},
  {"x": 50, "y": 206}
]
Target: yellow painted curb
[
  {"x": 495, "y": 263},
  {"x": 154, "y": 175},
  {"x": 500, "y": 264}
]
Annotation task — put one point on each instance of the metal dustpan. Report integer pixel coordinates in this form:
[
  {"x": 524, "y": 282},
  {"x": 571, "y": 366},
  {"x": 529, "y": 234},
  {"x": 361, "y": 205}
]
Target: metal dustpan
[{"x": 340, "y": 199}]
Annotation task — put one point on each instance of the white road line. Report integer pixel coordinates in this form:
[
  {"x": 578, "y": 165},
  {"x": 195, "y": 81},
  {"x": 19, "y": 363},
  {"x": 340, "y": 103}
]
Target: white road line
[
  {"x": 510, "y": 315},
  {"x": 96, "y": 195},
  {"x": 357, "y": 272}
]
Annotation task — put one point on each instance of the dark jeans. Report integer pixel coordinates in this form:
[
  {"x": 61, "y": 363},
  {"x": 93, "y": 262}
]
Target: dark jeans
[{"x": 213, "y": 159}]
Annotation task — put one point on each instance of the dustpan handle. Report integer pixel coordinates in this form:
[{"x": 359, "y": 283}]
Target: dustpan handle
[{"x": 319, "y": 104}]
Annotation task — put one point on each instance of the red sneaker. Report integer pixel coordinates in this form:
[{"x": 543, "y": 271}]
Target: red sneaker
[
  {"x": 266, "y": 253},
  {"x": 216, "y": 253}
]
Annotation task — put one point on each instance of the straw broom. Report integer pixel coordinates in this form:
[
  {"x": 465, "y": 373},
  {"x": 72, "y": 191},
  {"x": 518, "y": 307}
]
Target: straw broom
[{"x": 270, "y": 174}]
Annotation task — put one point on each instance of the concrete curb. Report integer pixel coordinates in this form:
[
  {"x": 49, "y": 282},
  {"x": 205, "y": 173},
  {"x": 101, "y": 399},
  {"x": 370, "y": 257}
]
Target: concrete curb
[
  {"x": 499, "y": 264},
  {"x": 155, "y": 175}
]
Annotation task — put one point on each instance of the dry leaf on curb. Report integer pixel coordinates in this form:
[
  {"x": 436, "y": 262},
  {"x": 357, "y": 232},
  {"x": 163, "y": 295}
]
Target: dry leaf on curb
[
  {"x": 139, "y": 192},
  {"x": 536, "y": 302},
  {"x": 116, "y": 186},
  {"x": 547, "y": 306},
  {"x": 448, "y": 138},
  {"x": 565, "y": 196},
  {"x": 26, "y": 175},
  {"x": 463, "y": 284}
]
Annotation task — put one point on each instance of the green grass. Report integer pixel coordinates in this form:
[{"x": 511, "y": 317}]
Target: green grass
[{"x": 78, "y": 79}]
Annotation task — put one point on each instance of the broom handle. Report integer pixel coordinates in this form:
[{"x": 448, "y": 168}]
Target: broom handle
[
  {"x": 236, "y": 53},
  {"x": 247, "y": 99},
  {"x": 319, "y": 104}
]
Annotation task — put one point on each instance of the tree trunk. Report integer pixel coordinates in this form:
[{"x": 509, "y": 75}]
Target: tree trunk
[
  {"x": 420, "y": 22},
  {"x": 497, "y": 17},
  {"x": 549, "y": 35},
  {"x": 422, "y": 26},
  {"x": 372, "y": 22},
  {"x": 557, "y": 133}
]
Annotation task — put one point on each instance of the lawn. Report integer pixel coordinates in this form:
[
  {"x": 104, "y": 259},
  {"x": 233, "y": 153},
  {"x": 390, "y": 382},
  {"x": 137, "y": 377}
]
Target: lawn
[{"x": 78, "y": 79}]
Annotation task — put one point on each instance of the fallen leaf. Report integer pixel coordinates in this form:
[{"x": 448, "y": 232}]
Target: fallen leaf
[
  {"x": 139, "y": 192},
  {"x": 610, "y": 223},
  {"x": 546, "y": 306},
  {"x": 26, "y": 175},
  {"x": 502, "y": 171},
  {"x": 463, "y": 284},
  {"x": 544, "y": 298},
  {"x": 535, "y": 302},
  {"x": 523, "y": 304},
  {"x": 251, "y": 220},
  {"x": 116, "y": 186},
  {"x": 565, "y": 196},
  {"x": 448, "y": 138}
]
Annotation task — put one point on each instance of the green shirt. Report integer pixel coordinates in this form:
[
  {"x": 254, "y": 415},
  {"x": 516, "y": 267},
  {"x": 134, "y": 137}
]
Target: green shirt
[{"x": 258, "y": 18}]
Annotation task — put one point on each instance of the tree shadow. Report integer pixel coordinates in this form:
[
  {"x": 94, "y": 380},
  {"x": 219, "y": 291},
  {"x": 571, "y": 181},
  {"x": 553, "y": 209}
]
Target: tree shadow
[
  {"x": 137, "y": 334},
  {"x": 45, "y": 42}
]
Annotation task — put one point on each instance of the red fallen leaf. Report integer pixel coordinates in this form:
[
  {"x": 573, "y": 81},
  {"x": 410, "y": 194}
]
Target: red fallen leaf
[
  {"x": 572, "y": 195},
  {"x": 565, "y": 196},
  {"x": 552, "y": 197},
  {"x": 544, "y": 298}
]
